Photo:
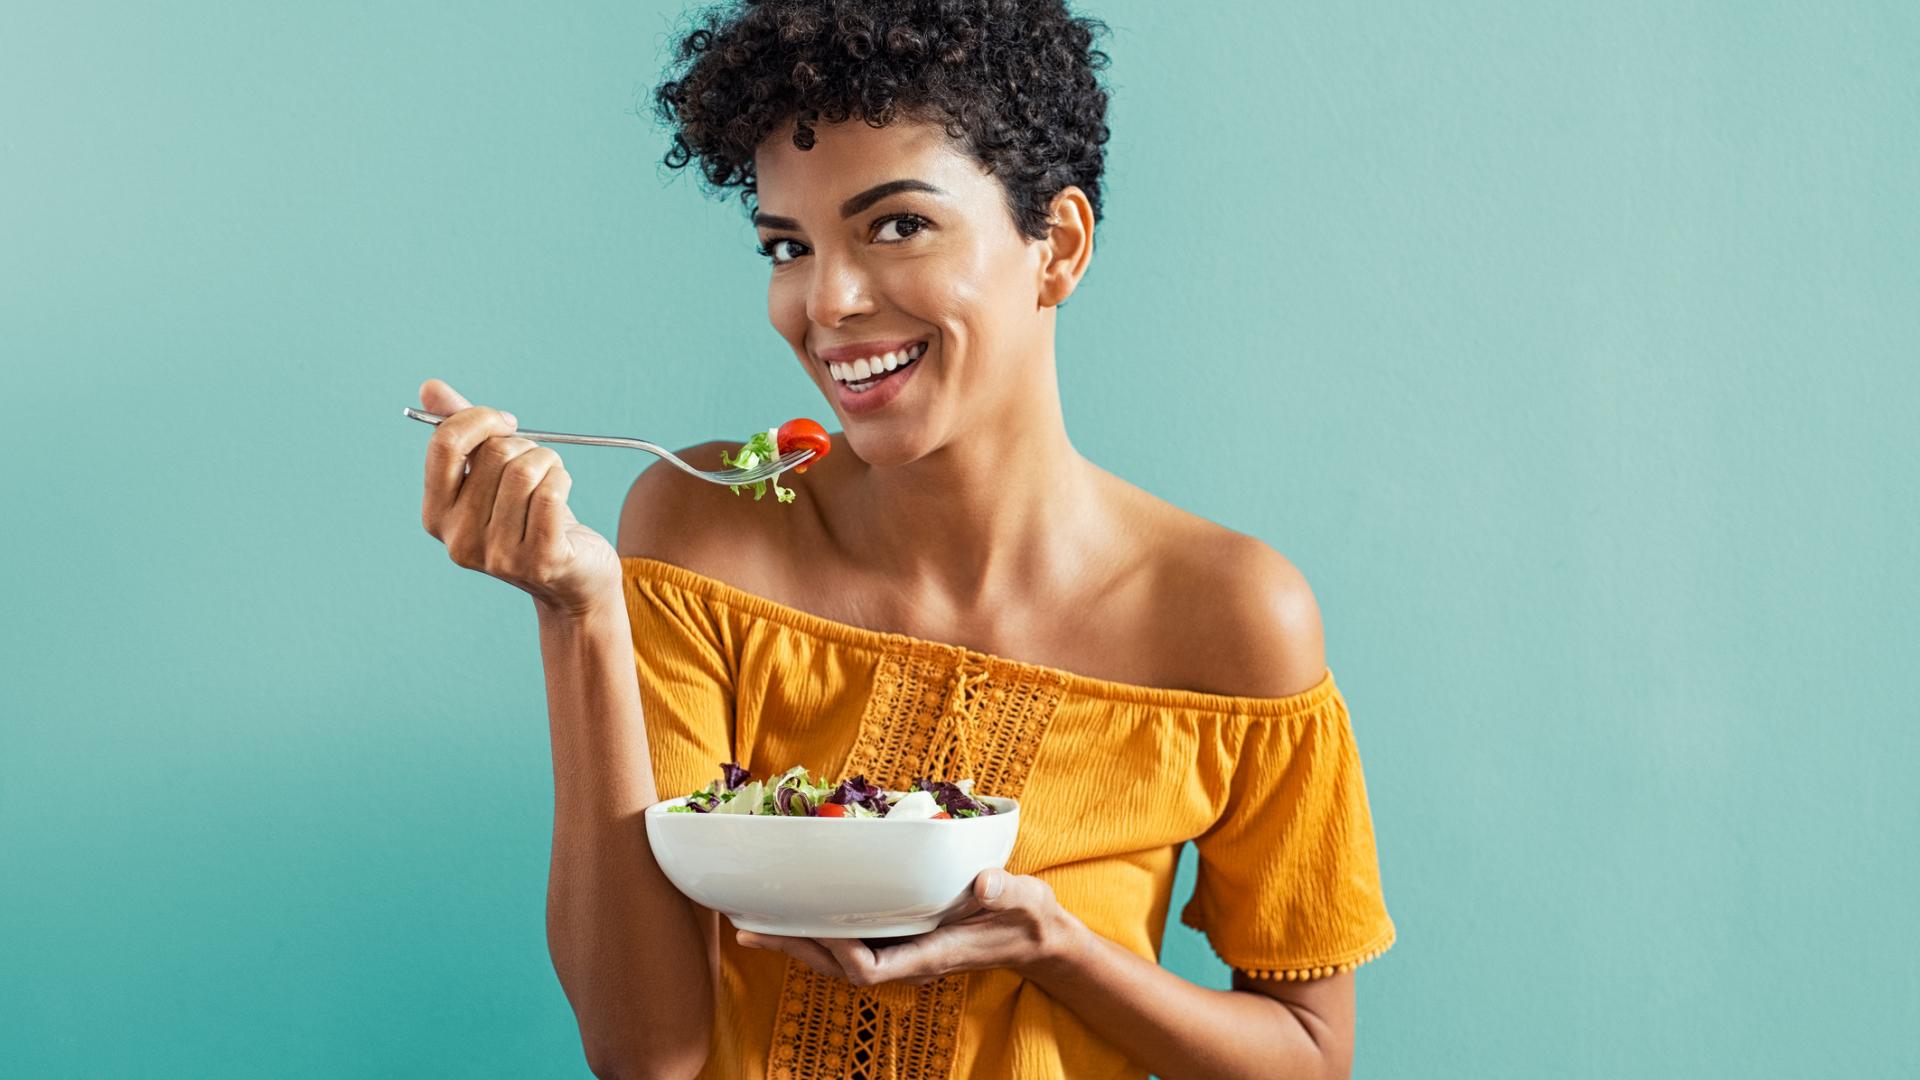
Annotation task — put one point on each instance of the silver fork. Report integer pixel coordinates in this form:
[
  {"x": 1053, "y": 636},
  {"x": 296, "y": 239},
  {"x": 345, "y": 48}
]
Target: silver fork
[{"x": 729, "y": 477}]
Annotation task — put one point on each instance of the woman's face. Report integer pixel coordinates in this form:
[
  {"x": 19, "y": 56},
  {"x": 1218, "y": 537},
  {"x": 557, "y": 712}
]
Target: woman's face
[{"x": 894, "y": 241}]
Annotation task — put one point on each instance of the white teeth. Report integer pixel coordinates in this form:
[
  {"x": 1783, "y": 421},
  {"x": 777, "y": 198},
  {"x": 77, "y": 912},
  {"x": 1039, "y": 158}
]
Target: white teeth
[{"x": 862, "y": 370}]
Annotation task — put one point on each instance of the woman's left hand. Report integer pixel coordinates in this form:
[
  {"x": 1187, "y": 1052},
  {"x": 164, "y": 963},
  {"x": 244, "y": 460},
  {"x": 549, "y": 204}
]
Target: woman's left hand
[{"x": 1010, "y": 921}]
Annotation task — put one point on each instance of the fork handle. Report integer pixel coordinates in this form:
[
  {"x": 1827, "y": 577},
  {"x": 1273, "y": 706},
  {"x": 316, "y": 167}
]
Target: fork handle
[{"x": 559, "y": 436}]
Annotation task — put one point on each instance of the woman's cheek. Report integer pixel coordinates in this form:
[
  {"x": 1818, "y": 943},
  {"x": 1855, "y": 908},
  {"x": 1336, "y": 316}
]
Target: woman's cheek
[{"x": 786, "y": 310}]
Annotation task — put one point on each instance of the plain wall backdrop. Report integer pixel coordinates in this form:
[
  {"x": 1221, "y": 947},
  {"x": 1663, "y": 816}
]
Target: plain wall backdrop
[{"x": 1569, "y": 349}]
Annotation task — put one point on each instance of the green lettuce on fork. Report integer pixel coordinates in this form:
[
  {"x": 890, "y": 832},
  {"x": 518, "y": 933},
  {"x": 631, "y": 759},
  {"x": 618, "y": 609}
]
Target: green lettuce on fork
[
  {"x": 798, "y": 433},
  {"x": 795, "y": 793},
  {"x": 759, "y": 448}
]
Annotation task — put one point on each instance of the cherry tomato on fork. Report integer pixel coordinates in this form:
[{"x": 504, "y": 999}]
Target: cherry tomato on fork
[{"x": 803, "y": 434}]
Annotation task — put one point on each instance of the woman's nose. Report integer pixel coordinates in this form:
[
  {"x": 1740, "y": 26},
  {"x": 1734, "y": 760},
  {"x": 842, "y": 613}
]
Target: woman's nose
[{"x": 839, "y": 291}]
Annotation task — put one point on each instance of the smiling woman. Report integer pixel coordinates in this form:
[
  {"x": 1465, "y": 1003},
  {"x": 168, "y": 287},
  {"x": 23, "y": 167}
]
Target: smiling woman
[{"x": 962, "y": 595}]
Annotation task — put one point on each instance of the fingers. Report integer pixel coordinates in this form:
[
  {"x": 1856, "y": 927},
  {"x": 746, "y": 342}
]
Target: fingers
[
  {"x": 917, "y": 961},
  {"x": 548, "y": 514},
  {"x": 988, "y": 887},
  {"x": 854, "y": 958},
  {"x": 987, "y": 894},
  {"x": 806, "y": 950},
  {"x": 437, "y": 397},
  {"x": 499, "y": 504},
  {"x": 851, "y": 959},
  {"x": 512, "y": 500},
  {"x": 448, "y": 453},
  {"x": 466, "y": 521},
  {"x": 997, "y": 890},
  {"x": 1003, "y": 925}
]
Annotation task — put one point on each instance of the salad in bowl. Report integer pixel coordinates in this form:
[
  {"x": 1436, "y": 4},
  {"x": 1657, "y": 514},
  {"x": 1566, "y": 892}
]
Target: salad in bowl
[
  {"x": 795, "y": 793},
  {"x": 801, "y": 856}
]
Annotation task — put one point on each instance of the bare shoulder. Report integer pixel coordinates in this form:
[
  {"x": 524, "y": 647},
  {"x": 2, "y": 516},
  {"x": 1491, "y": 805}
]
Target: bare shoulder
[
  {"x": 1248, "y": 621},
  {"x": 702, "y": 527}
]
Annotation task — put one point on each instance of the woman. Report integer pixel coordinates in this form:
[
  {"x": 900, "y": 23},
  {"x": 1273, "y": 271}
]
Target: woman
[{"x": 956, "y": 593}]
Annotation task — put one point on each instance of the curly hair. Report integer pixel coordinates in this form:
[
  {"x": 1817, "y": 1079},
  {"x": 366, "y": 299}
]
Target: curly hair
[{"x": 1011, "y": 80}]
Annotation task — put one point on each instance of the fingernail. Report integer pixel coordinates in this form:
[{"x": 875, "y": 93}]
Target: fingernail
[
  {"x": 511, "y": 419},
  {"x": 994, "y": 884}
]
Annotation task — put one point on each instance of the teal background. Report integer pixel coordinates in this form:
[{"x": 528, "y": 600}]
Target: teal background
[{"x": 1568, "y": 348}]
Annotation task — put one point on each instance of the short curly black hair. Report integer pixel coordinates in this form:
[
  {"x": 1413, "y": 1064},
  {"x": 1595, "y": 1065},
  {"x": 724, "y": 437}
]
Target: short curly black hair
[{"x": 1012, "y": 80}]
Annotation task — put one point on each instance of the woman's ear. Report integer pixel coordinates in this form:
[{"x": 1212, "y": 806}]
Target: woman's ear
[{"x": 1068, "y": 246}]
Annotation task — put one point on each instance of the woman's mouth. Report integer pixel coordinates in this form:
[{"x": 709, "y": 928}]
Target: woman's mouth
[
  {"x": 863, "y": 375},
  {"x": 870, "y": 383}
]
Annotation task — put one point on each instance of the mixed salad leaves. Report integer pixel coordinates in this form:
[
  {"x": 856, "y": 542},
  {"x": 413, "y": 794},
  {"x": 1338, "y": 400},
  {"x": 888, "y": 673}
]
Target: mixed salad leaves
[
  {"x": 795, "y": 793},
  {"x": 796, "y": 434}
]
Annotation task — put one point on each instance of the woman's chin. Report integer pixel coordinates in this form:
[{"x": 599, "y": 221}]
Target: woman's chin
[{"x": 886, "y": 449}]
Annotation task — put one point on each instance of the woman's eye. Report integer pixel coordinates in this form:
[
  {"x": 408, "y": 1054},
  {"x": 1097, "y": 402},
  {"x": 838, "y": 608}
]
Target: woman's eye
[
  {"x": 898, "y": 227},
  {"x": 780, "y": 251}
]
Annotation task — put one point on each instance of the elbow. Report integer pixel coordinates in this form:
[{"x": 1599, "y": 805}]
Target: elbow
[
  {"x": 643, "y": 1045},
  {"x": 605, "y": 1065},
  {"x": 648, "y": 1045},
  {"x": 1331, "y": 1060},
  {"x": 1326, "y": 1052},
  {"x": 641, "y": 1059},
  {"x": 623, "y": 1064}
]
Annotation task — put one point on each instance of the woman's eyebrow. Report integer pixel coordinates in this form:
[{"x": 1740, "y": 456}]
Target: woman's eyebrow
[
  {"x": 852, "y": 206},
  {"x": 880, "y": 191}
]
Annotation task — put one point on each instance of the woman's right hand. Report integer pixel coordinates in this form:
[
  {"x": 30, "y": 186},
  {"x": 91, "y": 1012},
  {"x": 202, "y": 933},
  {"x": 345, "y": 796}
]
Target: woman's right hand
[{"x": 500, "y": 505}]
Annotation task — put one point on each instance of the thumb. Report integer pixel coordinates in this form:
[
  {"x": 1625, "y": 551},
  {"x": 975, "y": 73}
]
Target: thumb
[
  {"x": 989, "y": 887},
  {"x": 437, "y": 397}
]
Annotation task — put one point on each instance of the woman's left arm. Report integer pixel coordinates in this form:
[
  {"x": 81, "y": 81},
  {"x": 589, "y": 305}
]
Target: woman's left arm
[{"x": 1162, "y": 1022}]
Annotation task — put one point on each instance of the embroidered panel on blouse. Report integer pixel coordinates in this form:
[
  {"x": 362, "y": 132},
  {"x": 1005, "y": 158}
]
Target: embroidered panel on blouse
[{"x": 941, "y": 712}]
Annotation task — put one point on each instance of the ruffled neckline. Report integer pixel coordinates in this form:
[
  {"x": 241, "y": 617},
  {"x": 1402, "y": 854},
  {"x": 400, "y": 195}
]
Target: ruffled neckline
[{"x": 820, "y": 627}]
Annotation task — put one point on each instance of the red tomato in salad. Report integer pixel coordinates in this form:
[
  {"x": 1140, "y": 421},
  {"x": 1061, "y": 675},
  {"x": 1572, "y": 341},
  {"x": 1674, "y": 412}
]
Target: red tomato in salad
[
  {"x": 832, "y": 809},
  {"x": 941, "y": 814},
  {"x": 802, "y": 434}
]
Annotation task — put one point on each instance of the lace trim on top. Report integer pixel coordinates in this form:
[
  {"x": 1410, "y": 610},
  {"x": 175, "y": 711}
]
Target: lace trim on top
[{"x": 937, "y": 711}]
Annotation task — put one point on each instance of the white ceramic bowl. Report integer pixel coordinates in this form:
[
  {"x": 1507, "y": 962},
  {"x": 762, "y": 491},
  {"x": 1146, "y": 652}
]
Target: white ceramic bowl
[{"x": 829, "y": 877}]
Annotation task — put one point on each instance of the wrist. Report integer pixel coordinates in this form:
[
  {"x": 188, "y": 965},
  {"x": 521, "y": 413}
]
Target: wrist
[{"x": 576, "y": 614}]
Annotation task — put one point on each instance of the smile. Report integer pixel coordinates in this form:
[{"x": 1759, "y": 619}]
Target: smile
[{"x": 860, "y": 376}]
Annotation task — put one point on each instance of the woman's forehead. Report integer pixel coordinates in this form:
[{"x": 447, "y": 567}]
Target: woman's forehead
[{"x": 852, "y": 156}]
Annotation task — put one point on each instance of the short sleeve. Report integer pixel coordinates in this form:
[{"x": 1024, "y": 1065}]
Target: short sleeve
[
  {"x": 1289, "y": 881},
  {"x": 686, "y": 682}
]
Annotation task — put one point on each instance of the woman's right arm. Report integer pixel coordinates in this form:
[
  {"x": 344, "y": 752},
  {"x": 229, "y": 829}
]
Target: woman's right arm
[
  {"x": 629, "y": 951},
  {"x": 626, "y": 945}
]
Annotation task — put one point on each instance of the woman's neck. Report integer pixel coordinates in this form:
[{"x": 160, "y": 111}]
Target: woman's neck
[{"x": 1010, "y": 512}]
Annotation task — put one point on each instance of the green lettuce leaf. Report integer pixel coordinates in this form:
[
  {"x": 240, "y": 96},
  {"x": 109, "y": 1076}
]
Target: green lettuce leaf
[{"x": 761, "y": 447}]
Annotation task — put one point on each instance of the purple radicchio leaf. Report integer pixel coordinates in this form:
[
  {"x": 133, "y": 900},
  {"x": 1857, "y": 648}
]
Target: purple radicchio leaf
[
  {"x": 702, "y": 802},
  {"x": 793, "y": 802},
  {"x": 858, "y": 792},
  {"x": 953, "y": 800},
  {"x": 732, "y": 775}
]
